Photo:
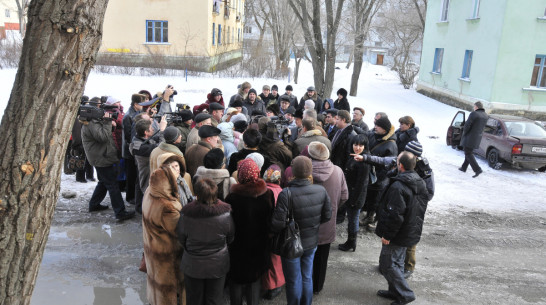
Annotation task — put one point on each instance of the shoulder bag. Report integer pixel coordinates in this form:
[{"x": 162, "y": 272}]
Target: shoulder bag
[{"x": 287, "y": 243}]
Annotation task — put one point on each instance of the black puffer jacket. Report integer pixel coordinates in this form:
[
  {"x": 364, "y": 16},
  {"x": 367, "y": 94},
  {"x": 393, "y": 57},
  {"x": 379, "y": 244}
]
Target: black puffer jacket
[
  {"x": 402, "y": 210},
  {"x": 357, "y": 175},
  {"x": 382, "y": 146},
  {"x": 204, "y": 231},
  {"x": 311, "y": 206},
  {"x": 404, "y": 137}
]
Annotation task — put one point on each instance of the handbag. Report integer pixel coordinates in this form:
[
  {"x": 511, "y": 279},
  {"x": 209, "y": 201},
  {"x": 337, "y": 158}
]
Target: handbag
[
  {"x": 76, "y": 161},
  {"x": 287, "y": 243}
]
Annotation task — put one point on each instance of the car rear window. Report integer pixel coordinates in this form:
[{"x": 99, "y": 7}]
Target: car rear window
[{"x": 526, "y": 129}]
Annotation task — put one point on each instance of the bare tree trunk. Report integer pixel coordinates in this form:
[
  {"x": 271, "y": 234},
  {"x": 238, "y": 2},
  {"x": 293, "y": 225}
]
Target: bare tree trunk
[
  {"x": 297, "y": 70},
  {"x": 59, "y": 50},
  {"x": 350, "y": 61},
  {"x": 357, "y": 67}
]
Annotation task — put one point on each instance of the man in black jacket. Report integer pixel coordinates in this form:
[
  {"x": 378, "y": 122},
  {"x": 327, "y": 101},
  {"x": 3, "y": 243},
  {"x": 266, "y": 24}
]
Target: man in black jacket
[
  {"x": 400, "y": 224},
  {"x": 472, "y": 136}
]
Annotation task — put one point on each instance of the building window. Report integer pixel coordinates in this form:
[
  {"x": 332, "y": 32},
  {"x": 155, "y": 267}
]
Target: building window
[
  {"x": 216, "y": 6},
  {"x": 7, "y": 13},
  {"x": 213, "y": 33},
  {"x": 467, "y": 63},
  {"x": 438, "y": 57},
  {"x": 157, "y": 31},
  {"x": 227, "y": 37},
  {"x": 475, "y": 9},
  {"x": 538, "y": 79},
  {"x": 248, "y": 30},
  {"x": 233, "y": 36},
  {"x": 219, "y": 34},
  {"x": 238, "y": 35},
  {"x": 378, "y": 43},
  {"x": 445, "y": 7}
]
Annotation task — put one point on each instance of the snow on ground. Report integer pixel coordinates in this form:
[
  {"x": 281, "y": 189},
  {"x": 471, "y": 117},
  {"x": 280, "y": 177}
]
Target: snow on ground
[{"x": 379, "y": 90}]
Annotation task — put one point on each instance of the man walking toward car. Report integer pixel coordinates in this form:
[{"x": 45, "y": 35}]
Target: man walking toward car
[{"x": 472, "y": 136}]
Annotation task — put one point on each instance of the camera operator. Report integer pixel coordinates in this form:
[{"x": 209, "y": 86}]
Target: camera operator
[
  {"x": 101, "y": 152},
  {"x": 166, "y": 99},
  {"x": 130, "y": 164},
  {"x": 184, "y": 126}
]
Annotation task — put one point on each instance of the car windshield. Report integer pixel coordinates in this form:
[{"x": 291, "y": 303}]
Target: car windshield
[{"x": 525, "y": 129}]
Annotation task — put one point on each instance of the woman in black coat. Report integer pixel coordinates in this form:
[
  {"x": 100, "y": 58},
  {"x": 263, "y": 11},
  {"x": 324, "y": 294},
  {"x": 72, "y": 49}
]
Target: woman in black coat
[
  {"x": 204, "y": 229},
  {"x": 357, "y": 176},
  {"x": 252, "y": 205},
  {"x": 406, "y": 133},
  {"x": 342, "y": 103}
]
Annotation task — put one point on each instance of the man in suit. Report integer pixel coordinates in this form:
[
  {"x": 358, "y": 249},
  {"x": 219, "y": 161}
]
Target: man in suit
[{"x": 472, "y": 136}]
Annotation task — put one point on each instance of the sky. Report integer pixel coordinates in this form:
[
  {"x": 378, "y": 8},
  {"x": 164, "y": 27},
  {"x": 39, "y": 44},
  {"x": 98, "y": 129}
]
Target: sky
[{"x": 494, "y": 191}]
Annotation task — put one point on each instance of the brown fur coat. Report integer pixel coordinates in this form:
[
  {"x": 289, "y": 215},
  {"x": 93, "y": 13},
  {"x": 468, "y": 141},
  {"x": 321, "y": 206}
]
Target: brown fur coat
[{"x": 160, "y": 214}]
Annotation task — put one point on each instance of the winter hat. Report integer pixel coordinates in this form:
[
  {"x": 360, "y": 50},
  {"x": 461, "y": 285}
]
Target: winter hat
[
  {"x": 170, "y": 134},
  {"x": 240, "y": 126},
  {"x": 252, "y": 91},
  {"x": 360, "y": 109},
  {"x": 266, "y": 87},
  {"x": 201, "y": 117},
  {"x": 299, "y": 113},
  {"x": 238, "y": 117},
  {"x": 215, "y": 92},
  {"x": 284, "y": 98},
  {"x": 302, "y": 167},
  {"x": 257, "y": 158},
  {"x": 274, "y": 88},
  {"x": 214, "y": 158},
  {"x": 215, "y": 106},
  {"x": 289, "y": 88},
  {"x": 207, "y": 131},
  {"x": 311, "y": 88},
  {"x": 236, "y": 103},
  {"x": 246, "y": 85},
  {"x": 230, "y": 110},
  {"x": 310, "y": 104},
  {"x": 342, "y": 91},
  {"x": 111, "y": 100},
  {"x": 273, "y": 174},
  {"x": 186, "y": 115},
  {"x": 384, "y": 123},
  {"x": 247, "y": 171},
  {"x": 318, "y": 151},
  {"x": 415, "y": 148},
  {"x": 291, "y": 110},
  {"x": 226, "y": 129},
  {"x": 273, "y": 108}
]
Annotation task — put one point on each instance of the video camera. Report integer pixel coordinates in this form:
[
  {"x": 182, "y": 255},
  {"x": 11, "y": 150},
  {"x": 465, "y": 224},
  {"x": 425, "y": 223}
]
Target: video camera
[
  {"x": 96, "y": 110},
  {"x": 175, "y": 117},
  {"x": 281, "y": 123}
]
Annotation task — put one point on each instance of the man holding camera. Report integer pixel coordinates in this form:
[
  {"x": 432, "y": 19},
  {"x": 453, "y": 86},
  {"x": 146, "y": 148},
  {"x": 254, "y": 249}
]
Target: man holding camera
[{"x": 101, "y": 152}]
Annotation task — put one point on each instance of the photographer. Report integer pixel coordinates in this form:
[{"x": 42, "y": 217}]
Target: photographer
[
  {"x": 101, "y": 152},
  {"x": 271, "y": 146},
  {"x": 184, "y": 126},
  {"x": 130, "y": 165}
]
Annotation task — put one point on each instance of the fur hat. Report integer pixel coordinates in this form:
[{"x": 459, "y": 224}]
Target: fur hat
[
  {"x": 170, "y": 134},
  {"x": 273, "y": 174},
  {"x": 342, "y": 91},
  {"x": 415, "y": 148},
  {"x": 214, "y": 159},
  {"x": 384, "y": 123},
  {"x": 273, "y": 108},
  {"x": 240, "y": 125},
  {"x": 318, "y": 151},
  {"x": 257, "y": 158},
  {"x": 299, "y": 113},
  {"x": 186, "y": 115},
  {"x": 236, "y": 103},
  {"x": 247, "y": 171},
  {"x": 289, "y": 88},
  {"x": 302, "y": 167}
]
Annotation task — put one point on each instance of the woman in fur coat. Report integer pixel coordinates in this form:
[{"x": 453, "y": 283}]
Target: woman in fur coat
[
  {"x": 342, "y": 103},
  {"x": 251, "y": 204},
  {"x": 162, "y": 251}
]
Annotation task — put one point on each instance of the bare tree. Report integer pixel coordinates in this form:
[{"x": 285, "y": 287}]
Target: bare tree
[
  {"x": 256, "y": 9},
  {"x": 22, "y": 7},
  {"x": 60, "y": 48},
  {"x": 362, "y": 13},
  {"x": 282, "y": 22},
  {"x": 323, "y": 60}
]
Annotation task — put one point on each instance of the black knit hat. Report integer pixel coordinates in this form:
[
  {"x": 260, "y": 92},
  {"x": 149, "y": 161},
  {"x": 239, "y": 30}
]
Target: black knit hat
[
  {"x": 236, "y": 103},
  {"x": 274, "y": 87},
  {"x": 415, "y": 148},
  {"x": 289, "y": 88},
  {"x": 384, "y": 123},
  {"x": 170, "y": 134},
  {"x": 252, "y": 91}
]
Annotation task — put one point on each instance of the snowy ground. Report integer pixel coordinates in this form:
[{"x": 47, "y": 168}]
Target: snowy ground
[{"x": 483, "y": 241}]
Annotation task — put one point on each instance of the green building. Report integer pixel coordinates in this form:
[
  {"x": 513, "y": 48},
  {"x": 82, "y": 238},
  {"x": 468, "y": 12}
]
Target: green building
[{"x": 488, "y": 51}]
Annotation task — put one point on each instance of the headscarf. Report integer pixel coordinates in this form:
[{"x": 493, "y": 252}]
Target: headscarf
[
  {"x": 247, "y": 171},
  {"x": 257, "y": 158},
  {"x": 226, "y": 129},
  {"x": 273, "y": 174}
]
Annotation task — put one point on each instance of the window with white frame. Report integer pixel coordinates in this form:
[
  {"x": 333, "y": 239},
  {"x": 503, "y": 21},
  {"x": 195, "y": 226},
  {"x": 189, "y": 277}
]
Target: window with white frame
[
  {"x": 438, "y": 57},
  {"x": 538, "y": 79},
  {"x": 157, "y": 31},
  {"x": 475, "y": 9},
  {"x": 445, "y": 8},
  {"x": 213, "y": 33},
  {"x": 7, "y": 13},
  {"x": 466, "y": 64},
  {"x": 219, "y": 34}
]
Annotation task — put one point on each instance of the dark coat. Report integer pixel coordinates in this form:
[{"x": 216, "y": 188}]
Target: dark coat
[
  {"x": 127, "y": 135},
  {"x": 251, "y": 205},
  {"x": 404, "y": 137},
  {"x": 311, "y": 206},
  {"x": 342, "y": 148},
  {"x": 473, "y": 129},
  {"x": 360, "y": 126},
  {"x": 276, "y": 151},
  {"x": 330, "y": 132},
  {"x": 357, "y": 176},
  {"x": 258, "y": 105},
  {"x": 402, "y": 210},
  {"x": 238, "y": 156},
  {"x": 382, "y": 146},
  {"x": 342, "y": 104},
  {"x": 141, "y": 149},
  {"x": 184, "y": 132},
  {"x": 204, "y": 231},
  {"x": 306, "y": 138},
  {"x": 98, "y": 143},
  {"x": 77, "y": 144},
  {"x": 195, "y": 155},
  {"x": 315, "y": 98}
]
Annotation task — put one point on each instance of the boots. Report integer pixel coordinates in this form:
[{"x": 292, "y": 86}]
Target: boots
[
  {"x": 368, "y": 219},
  {"x": 350, "y": 244}
]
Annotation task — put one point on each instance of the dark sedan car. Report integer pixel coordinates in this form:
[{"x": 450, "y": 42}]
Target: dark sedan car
[{"x": 515, "y": 140}]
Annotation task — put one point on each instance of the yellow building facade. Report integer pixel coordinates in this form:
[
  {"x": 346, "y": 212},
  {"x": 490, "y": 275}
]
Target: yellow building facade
[{"x": 201, "y": 35}]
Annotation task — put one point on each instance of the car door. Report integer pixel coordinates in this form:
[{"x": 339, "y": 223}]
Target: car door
[
  {"x": 490, "y": 136},
  {"x": 455, "y": 130}
]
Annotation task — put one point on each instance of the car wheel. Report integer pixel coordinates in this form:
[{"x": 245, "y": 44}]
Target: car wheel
[{"x": 493, "y": 158}]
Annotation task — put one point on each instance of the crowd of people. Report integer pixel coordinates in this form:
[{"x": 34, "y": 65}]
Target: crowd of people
[{"x": 215, "y": 183}]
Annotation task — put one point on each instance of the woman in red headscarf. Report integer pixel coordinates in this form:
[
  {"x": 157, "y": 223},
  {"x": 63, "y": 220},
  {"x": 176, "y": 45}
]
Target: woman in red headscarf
[{"x": 251, "y": 208}]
